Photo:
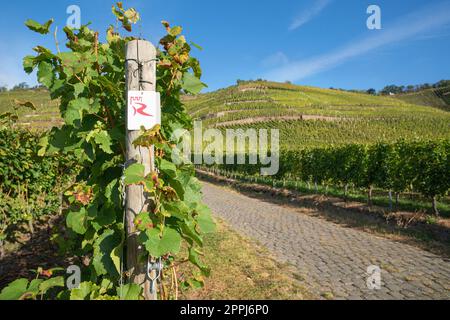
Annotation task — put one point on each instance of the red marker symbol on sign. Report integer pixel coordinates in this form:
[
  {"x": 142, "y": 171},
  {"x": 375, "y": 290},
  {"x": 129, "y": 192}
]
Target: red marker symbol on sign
[{"x": 141, "y": 110}]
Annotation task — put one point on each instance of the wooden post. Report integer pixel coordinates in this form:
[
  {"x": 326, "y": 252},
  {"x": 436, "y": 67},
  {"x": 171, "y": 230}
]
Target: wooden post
[{"x": 141, "y": 75}]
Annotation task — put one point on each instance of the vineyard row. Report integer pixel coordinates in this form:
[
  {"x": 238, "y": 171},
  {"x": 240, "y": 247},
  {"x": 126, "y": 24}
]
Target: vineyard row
[{"x": 421, "y": 167}]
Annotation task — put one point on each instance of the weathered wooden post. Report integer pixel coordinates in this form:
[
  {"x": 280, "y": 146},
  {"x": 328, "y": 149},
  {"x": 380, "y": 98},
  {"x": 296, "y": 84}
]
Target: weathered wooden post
[{"x": 141, "y": 76}]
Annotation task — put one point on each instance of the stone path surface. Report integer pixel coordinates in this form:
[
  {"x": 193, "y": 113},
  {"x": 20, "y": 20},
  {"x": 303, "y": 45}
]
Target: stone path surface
[{"x": 331, "y": 259}]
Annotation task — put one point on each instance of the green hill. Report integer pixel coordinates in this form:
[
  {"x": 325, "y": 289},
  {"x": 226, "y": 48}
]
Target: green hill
[
  {"x": 308, "y": 116},
  {"x": 439, "y": 98},
  {"x": 46, "y": 115}
]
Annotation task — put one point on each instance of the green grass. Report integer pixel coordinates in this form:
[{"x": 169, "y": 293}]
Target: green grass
[{"x": 244, "y": 270}]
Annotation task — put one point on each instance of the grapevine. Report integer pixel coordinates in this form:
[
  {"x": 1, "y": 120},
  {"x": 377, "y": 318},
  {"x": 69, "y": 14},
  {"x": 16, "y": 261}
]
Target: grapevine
[
  {"x": 420, "y": 166},
  {"x": 89, "y": 82}
]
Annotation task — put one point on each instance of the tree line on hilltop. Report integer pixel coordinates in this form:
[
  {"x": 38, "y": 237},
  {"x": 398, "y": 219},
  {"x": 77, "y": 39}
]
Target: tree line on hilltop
[{"x": 387, "y": 90}]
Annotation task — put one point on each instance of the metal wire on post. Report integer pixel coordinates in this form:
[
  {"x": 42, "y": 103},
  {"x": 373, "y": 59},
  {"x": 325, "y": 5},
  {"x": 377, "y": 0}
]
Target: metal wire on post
[{"x": 124, "y": 200}]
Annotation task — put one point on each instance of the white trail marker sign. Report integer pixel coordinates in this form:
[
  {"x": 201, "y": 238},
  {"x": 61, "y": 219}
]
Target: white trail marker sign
[{"x": 144, "y": 109}]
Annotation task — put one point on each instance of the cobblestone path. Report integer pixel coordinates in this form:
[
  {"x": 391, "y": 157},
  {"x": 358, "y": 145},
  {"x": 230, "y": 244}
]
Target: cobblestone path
[{"x": 332, "y": 260}]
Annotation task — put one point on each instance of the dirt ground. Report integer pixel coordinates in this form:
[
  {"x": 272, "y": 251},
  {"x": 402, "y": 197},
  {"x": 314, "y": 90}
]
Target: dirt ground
[{"x": 31, "y": 252}]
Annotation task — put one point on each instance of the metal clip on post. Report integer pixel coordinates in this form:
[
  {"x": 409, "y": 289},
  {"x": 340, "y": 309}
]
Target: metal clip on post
[{"x": 157, "y": 267}]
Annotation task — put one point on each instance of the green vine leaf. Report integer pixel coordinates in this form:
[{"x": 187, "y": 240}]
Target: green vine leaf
[
  {"x": 116, "y": 256},
  {"x": 134, "y": 174},
  {"x": 106, "y": 216},
  {"x": 78, "y": 89},
  {"x": 77, "y": 221},
  {"x": 167, "y": 168},
  {"x": 129, "y": 292},
  {"x": 175, "y": 31},
  {"x": 204, "y": 219},
  {"x": 14, "y": 290},
  {"x": 143, "y": 221},
  {"x": 28, "y": 64},
  {"x": 72, "y": 63},
  {"x": 192, "y": 192},
  {"x": 158, "y": 245},
  {"x": 83, "y": 291},
  {"x": 103, "y": 247},
  {"x": 103, "y": 140},
  {"x": 177, "y": 209},
  {"x": 75, "y": 110},
  {"x": 196, "y": 45},
  {"x": 195, "y": 259},
  {"x": 127, "y": 17},
  {"x": 192, "y": 84},
  {"x": 188, "y": 228},
  {"x": 39, "y": 28},
  {"x": 34, "y": 287},
  {"x": 45, "y": 74},
  {"x": 51, "y": 283}
]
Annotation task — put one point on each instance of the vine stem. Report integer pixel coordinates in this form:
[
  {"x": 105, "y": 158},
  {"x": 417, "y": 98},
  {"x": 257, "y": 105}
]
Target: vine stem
[
  {"x": 96, "y": 51},
  {"x": 174, "y": 275},
  {"x": 56, "y": 39},
  {"x": 180, "y": 263},
  {"x": 163, "y": 287}
]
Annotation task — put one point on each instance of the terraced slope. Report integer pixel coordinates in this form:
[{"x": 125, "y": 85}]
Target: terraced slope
[
  {"x": 314, "y": 116},
  {"x": 439, "y": 98},
  {"x": 305, "y": 115}
]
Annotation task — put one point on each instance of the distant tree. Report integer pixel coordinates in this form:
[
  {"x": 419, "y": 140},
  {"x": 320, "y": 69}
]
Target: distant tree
[
  {"x": 391, "y": 89},
  {"x": 3, "y": 89},
  {"x": 442, "y": 84},
  {"x": 356, "y": 91},
  {"x": 21, "y": 86},
  {"x": 394, "y": 89},
  {"x": 425, "y": 86},
  {"x": 386, "y": 90},
  {"x": 288, "y": 82},
  {"x": 371, "y": 91},
  {"x": 410, "y": 88}
]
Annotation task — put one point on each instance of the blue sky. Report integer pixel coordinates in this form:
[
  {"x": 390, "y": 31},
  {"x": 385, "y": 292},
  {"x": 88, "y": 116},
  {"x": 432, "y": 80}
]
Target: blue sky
[{"x": 321, "y": 43}]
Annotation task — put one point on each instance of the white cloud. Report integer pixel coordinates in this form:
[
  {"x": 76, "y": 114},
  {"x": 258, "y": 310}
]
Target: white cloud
[
  {"x": 308, "y": 14},
  {"x": 419, "y": 22},
  {"x": 275, "y": 60}
]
